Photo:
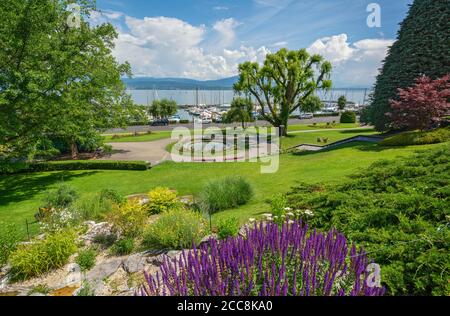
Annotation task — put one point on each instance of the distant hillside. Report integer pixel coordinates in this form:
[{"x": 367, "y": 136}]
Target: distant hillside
[{"x": 147, "y": 83}]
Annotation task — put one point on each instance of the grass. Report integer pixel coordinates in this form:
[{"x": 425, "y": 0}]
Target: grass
[
  {"x": 21, "y": 195},
  {"x": 130, "y": 137},
  {"x": 311, "y": 137},
  {"x": 126, "y": 138}
]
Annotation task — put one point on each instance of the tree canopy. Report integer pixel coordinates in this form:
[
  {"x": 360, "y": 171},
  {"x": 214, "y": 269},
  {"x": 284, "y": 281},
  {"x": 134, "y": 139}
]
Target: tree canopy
[
  {"x": 241, "y": 111},
  {"x": 342, "y": 103},
  {"x": 312, "y": 104},
  {"x": 163, "y": 108},
  {"x": 283, "y": 83},
  {"x": 422, "y": 48},
  {"x": 57, "y": 81}
]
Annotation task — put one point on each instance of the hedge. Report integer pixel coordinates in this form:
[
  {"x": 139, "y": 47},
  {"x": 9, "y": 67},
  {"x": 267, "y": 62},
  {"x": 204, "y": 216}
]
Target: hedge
[
  {"x": 437, "y": 136},
  {"x": 348, "y": 117},
  {"x": 73, "y": 166},
  {"x": 327, "y": 115}
]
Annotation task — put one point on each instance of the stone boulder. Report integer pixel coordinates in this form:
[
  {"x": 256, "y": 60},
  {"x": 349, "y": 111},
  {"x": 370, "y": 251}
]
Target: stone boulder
[{"x": 95, "y": 230}]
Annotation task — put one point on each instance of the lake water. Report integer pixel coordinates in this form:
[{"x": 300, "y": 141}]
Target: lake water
[{"x": 216, "y": 97}]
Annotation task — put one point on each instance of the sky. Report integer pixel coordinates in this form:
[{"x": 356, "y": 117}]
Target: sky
[{"x": 207, "y": 39}]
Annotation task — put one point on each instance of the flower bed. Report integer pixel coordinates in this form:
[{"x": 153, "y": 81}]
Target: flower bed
[{"x": 270, "y": 261}]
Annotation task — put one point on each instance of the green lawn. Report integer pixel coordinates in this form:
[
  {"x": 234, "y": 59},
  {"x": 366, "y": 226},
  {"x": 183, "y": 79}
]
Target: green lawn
[
  {"x": 21, "y": 195},
  {"x": 129, "y": 137},
  {"x": 295, "y": 139},
  {"x": 141, "y": 138}
]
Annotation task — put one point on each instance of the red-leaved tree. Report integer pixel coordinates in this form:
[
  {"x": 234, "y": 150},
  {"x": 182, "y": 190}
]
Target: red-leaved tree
[{"x": 421, "y": 106}]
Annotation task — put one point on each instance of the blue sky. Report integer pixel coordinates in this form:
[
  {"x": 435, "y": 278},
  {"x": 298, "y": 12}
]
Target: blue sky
[{"x": 207, "y": 39}]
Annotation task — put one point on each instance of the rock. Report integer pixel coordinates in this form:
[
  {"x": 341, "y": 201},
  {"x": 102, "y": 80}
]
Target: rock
[
  {"x": 136, "y": 263},
  {"x": 187, "y": 200},
  {"x": 104, "y": 269},
  {"x": 74, "y": 275},
  {"x": 37, "y": 294},
  {"x": 96, "y": 230},
  {"x": 207, "y": 239}
]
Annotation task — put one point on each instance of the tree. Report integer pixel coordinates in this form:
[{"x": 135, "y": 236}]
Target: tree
[
  {"x": 57, "y": 81},
  {"x": 422, "y": 48},
  {"x": 241, "y": 111},
  {"x": 342, "y": 103},
  {"x": 163, "y": 108},
  {"x": 283, "y": 83},
  {"x": 423, "y": 105},
  {"x": 312, "y": 104}
]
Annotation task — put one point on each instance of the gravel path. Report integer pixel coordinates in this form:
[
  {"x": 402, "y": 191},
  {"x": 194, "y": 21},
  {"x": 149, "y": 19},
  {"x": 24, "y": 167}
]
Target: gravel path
[{"x": 153, "y": 152}]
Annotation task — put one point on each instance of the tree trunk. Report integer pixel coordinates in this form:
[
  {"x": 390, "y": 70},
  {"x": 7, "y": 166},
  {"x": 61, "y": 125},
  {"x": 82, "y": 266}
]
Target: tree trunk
[{"x": 74, "y": 150}]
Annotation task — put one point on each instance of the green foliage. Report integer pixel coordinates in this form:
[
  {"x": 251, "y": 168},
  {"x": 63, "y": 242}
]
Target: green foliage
[
  {"x": 86, "y": 259},
  {"x": 128, "y": 219},
  {"x": 105, "y": 240},
  {"x": 418, "y": 138},
  {"x": 348, "y": 117},
  {"x": 421, "y": 48},
  {"x": 40, "y": 289},
  {"x": 86, "y": 290},
  {"x": 176, "y": 229},
  {"x": 123, "y": 247},
  {"x": 61, "y": 197},
  {"x": 73, "y": 165},
  {"x": 312, "y": 104},
  {"x": 57, "y": 82},
  {"x": 161, "y": 200},
  {"x": 398, "y": 211},
  {"x": 9, "y": 237},
  {"x": 228, "y": 227},
  {"x": 163, "y": 108},
  {"x": 342, "y": 103},
  {"x": 241, "y": 111},
  {"x": 41, "y": 256},
  {"x": 94, "y": 206},
  {"x": 284, "y": 82},
  {"x": 225, "y": 194}
]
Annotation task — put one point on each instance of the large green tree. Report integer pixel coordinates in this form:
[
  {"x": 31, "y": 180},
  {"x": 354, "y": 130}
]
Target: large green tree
[
  {"x": 422, "y": 48},
  {"x": 283, "y": 83},
  {"x": 58, "y": 80}
]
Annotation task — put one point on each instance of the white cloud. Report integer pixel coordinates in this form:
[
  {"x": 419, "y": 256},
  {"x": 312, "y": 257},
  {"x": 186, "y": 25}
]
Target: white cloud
[
  {"x": 169, "y": 47},
  {"x": 354, "y": 64},
  {"x": 220, "y": 8},
  {"x": 226, "y": 29}
]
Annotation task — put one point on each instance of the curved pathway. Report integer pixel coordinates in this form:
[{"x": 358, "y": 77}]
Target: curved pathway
[{"x": 153, "y": 152}]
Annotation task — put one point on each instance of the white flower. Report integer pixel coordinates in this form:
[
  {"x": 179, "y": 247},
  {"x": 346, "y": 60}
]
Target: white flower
[
  {"x": 291, "y": 222},
  {"x": 290, "y": 214},
  {"x": 283, "y": 216},
  {"x": 275, "y": 217},
  {"x": 267, "y": 215},
  {"x": 252, "y": 220},
  {"x": 288, "y": 209},
  {"x": 309, "y": 213}
]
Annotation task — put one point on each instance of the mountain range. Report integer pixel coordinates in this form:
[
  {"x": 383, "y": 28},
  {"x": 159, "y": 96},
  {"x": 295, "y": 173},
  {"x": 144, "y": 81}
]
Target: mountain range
[{"x": 148, "y": 83}]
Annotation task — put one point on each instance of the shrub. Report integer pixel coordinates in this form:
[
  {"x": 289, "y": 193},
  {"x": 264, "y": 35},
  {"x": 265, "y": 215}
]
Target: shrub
[
  {"x": 73, "y": 165},
  {"x": 95, "y": 206},
  {"x": 418, "y": 138},
  {"x": 61, "y": 197},
  {"x": 271, "y": 261},
  {"x": 228, "y": 228},
  {"x": 41, "y": 256},
  {"x": 398, "y": 210},
  {"x": 421, "y": 106},
  {"x": 86, "y": 259},
  {"x": 161, "y": 200},
  {"x": 348, "y": 117},
  {"x": 128, "y": 219},
  {"x": 123, "y": 247},
  {"x": 39, "y": 289},
  {"x": 53, "y": 220},
  {"x": 9, "y": 237},
  {"x": 225, "y": 194},
  {"x": 176, "y": 229},
  {"x": 86, "y": 290},
  {"x": 184, "y": 121},
  {"x": 105, "y": 240}
]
